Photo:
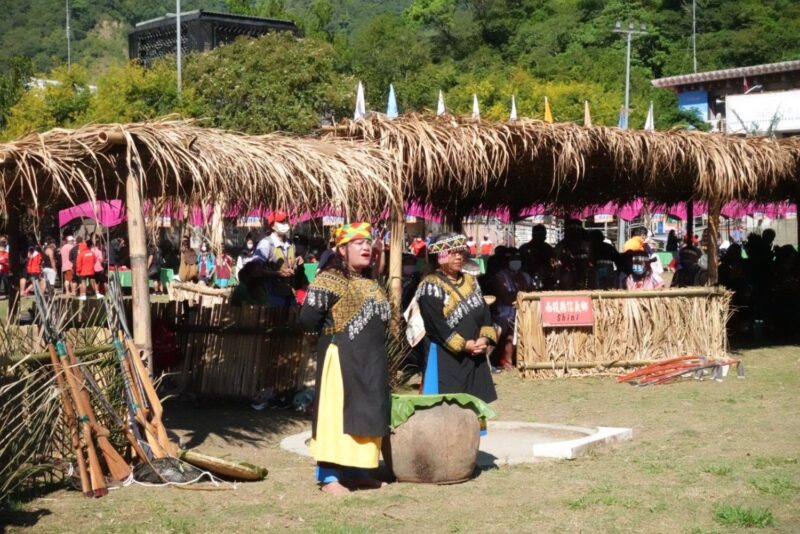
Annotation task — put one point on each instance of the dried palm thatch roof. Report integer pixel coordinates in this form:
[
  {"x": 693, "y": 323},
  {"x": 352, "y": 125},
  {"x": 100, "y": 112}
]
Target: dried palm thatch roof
[
  {"x": 456, "y": 162},
  {"x": 791, "y": 188},
  {"x": 177, "y": 160},
  {"x": 367, "y": 166}
]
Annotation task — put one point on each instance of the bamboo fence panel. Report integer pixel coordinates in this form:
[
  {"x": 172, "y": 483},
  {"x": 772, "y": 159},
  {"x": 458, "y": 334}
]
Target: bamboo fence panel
[
  {"x": 628, "y": 326},
  {"x": 235, "y": 352}
]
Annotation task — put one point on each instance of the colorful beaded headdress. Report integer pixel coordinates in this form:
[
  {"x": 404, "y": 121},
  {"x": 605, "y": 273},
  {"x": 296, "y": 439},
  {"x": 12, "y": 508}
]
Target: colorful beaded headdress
[
  {"x": 448, "y": 243},
  {"x": 351, "y": 232}
]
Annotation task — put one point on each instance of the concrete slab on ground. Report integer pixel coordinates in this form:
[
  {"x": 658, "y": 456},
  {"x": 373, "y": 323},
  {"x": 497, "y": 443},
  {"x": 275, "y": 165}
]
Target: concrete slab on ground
[{"x": 515, "y": 442}]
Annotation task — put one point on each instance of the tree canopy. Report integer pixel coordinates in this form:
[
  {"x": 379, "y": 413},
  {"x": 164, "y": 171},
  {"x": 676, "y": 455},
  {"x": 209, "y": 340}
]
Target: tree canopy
[{"x": 562, "y": 49}]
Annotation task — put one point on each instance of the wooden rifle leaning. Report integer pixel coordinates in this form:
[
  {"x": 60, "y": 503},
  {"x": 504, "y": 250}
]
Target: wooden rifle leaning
[
  {"x": 147, "y": 406},
  {"x": 96, "y": 486}
]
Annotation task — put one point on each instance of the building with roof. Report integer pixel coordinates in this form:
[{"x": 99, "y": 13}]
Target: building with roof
[
  {"x": 750, "y": 100},
  {"x": 200, "y": 31}
]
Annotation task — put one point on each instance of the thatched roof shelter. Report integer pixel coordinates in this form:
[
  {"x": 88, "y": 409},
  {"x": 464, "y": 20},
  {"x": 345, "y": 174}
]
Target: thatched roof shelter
[
  {"x": 185, "y": 163},
  {"x": 367, "y": 166},
  {"x": 371, "y": 166},
  {"x": 458, "y": 164}
]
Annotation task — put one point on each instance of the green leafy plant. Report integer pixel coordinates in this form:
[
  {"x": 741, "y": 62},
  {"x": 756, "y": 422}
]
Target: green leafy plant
[{"x": 741, "y": 516}]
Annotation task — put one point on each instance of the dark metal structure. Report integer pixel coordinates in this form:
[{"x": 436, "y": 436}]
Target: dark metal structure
[{"x": 200, "y": 31}]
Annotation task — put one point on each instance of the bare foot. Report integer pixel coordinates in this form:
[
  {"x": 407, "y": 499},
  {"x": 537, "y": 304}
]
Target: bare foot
[
  {"x": 335, "y": 488},
  {"x": 366, "y": 483}
]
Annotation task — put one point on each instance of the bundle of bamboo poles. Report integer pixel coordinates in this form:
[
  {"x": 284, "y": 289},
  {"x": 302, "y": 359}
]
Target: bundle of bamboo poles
[
  {"x": 235, "y": 352},
  {"x": 630, "y": 328}
]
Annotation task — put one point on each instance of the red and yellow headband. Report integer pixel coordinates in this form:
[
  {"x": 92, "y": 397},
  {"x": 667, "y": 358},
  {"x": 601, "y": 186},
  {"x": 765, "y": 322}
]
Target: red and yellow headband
[{"x": 351, "y": 232}]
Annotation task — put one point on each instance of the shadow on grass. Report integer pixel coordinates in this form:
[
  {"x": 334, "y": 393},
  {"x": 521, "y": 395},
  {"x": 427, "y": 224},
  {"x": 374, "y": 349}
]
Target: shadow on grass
[
  {"x": 232, "y": 422},
  {"x": 12, "y": 508},
  {"x": 21, "y": 518}
]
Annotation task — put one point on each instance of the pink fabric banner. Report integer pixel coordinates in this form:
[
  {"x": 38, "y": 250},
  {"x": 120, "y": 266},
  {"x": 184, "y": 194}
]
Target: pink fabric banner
[{"x": 106, "y": 212}]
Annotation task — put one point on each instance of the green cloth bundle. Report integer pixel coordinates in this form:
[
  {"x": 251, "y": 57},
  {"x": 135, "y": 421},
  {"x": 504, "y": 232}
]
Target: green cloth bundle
[{"x": 404, "y": 406}]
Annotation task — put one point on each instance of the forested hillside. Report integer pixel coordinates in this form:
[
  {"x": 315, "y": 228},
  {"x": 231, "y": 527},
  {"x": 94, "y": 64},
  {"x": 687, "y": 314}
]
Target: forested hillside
[{"x": 563, "y": 49}]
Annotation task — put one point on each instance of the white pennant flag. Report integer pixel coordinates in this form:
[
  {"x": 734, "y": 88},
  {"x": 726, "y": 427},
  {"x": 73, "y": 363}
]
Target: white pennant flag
[
  {"x": 476, "y": 111},
  {"x": 361, "y": 107},
  {"x": 587, "y": 117},
  {"x": 513, "y": 116},
  {"x": 391, "y": 105},
  {"x": 440, "y": 109},
  {"x": 650, "y": 123}
]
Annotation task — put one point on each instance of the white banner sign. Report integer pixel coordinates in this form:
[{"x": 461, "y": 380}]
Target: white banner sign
[
  {"x": 757, "y": 113},
  {"x": 332, "y": 220}
]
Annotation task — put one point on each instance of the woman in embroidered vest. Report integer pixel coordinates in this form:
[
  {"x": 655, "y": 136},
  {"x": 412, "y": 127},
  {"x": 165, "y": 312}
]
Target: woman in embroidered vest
[
  {"x": 458, "y": 325},
  {"x": 350, "y": 314}
]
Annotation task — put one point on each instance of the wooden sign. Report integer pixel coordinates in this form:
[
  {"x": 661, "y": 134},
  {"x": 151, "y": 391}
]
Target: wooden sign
[
  {"x": 566, "y": 311},
  {"x": 601, "y": 218}
]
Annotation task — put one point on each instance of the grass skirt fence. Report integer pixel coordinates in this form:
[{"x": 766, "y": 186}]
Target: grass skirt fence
[{"x": 630, "y": 328}]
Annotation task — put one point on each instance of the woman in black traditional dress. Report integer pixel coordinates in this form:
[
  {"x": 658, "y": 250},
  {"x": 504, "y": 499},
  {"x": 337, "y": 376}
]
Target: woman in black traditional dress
[
  {"x": 352, "y": 405},
  {"x": 458, "y": 325}
]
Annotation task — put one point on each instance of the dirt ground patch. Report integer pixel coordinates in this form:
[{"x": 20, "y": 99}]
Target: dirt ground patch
[{"x": 704, "y": 455}]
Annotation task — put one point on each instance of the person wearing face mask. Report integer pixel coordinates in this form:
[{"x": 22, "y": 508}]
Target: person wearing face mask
[
  {"x": 509, "y": 281},
  {"x": 246, "y": 255},
  {"x": 350, "y": 313},
  {"x": 690, "y": 274},
  {"x": 418, "y": 246},
  {"x": 282, "y": 261},
  {"x": 640, "y": 274},
  {"x": 206, "y": 265},
  {"x": 458, "y": 325},
  {"x": 187, "y": 272}
]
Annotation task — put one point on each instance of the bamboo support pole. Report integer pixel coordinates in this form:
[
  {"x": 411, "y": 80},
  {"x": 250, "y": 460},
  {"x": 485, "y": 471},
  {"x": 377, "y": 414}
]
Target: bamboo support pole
[
  {"x": 218, "y": 227},
  {"x": 137, "y": 238},
  {"x": 714, "y": 210},
  {"x": 633, "y": 294},
  {"x": 689, "y": 222},
  {"x": 397, "y": 229},
  {"x": 797, "y": 221},
  {"x": 15, "y": 263}
]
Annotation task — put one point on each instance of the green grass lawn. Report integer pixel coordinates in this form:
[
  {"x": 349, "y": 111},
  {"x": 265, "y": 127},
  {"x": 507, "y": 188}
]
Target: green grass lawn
[{"x": 706, "y": 457}]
